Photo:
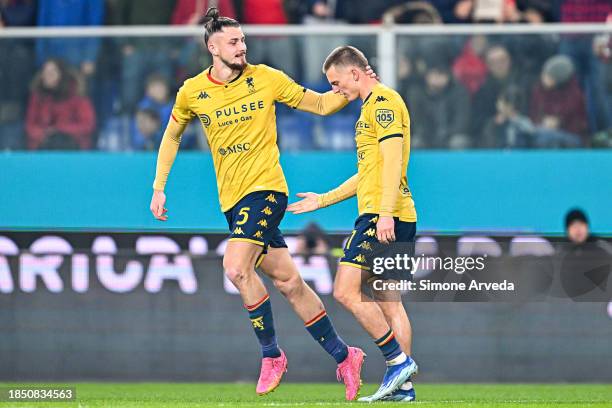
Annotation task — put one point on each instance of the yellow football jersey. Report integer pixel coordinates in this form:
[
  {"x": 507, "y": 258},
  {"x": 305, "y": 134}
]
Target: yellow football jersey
[
  {"x": 383, "y": 115},
  {"x": 239, "y": 120}
]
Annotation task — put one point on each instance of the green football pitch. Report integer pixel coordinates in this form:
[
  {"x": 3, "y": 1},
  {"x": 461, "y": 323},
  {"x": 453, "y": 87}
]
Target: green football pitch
[{"x": 322, "y": 395}]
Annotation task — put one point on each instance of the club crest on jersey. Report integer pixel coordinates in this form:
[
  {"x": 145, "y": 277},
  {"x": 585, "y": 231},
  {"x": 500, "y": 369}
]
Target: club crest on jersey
[
  {"x": 205, "y": 119},
  {"x": 384, "y": 117},
  {"x": 250, "y": 85},
  {"x": 203, "y": 95}
]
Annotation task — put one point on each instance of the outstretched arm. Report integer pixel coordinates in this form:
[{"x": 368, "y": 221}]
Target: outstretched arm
[
  {"x": 314, "y": 201},
  {"x": 328, "y": 102},
  {"x": 322, "y": 104},
  {"x": 165, "y": 159}
]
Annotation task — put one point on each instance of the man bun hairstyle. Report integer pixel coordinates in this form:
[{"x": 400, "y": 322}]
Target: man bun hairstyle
[
  {"x": 345, "y": 56},
  {"x": 214, "y": 23}
]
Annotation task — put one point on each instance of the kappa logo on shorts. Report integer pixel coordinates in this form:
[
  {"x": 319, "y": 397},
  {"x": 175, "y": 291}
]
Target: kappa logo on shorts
[
  {"x": 370, "y": 232},
  {"x": 258, "y": 323},
  {"x": 238, "y": 231},
  {"x": 360, "y": 258},
  {"x": 258, "y": 234},
  {"x": 365, "y": 245},
  {"x": 271, "y": 198},
  {"x": 267, "y": 211},
  {"x": 263, "y": 223},
  {"x": 374, "y": 219},
  {"x": 384, "y": 117}
]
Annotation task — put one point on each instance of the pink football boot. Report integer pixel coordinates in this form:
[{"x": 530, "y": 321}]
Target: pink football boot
[
  {"x": 349, "y": 371},
  {"x": 272, "y": 370}
]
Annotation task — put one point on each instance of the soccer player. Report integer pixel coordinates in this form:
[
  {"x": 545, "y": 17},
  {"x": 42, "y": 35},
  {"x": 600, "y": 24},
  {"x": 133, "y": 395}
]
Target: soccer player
[
  {"x": 386, "y": 212},
  {"x": 234, "y": 101}
]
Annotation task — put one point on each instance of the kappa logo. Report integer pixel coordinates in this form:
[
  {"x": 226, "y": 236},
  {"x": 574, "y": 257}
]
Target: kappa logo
[
  {"x": 205, "y": 119},
  {"x": 360, "y": 258},
  {"x": 267, "y": 211},
  {"x": 251, "y": 85},
  {"x": 380, "y": 99},
  {"x": 384, "y": 117},
  {"x": 263, "y": 223},
  {"x": 258, "y": 234},
  {"x": 374, "y": 219},
  {"x": 238, "y": 231},
  {"x": 370, "y": 232},
  {"x": 258, "y": 323},
  {"x": 203, "y": 95},
  {"x": 365, "y": 245},
  {"x": 271, "y": 198}
]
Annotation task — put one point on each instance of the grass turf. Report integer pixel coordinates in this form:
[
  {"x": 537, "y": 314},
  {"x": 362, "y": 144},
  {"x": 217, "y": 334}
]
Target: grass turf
[{"x": 323, "y": 395}]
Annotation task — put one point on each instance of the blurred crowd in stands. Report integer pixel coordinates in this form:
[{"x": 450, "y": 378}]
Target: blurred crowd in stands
[{"x": 478, "y": 91}]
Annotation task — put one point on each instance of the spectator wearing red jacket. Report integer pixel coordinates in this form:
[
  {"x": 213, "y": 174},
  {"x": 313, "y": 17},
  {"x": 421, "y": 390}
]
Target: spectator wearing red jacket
[
  {"x": 557, "y": 102},
  {"x": 58, "y": 116},
  {"x": 189, "y": 12},
  {"x": 470, "y": 68}
]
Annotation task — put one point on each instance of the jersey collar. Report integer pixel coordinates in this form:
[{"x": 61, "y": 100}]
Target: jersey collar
[{"x": 214, "y": 81}]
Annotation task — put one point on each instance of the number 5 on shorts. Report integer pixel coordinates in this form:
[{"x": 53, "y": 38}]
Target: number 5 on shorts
[{"x": 244, "y": 211}]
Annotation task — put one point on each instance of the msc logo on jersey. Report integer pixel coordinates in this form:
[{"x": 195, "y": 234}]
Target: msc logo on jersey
[
  {"x": 384, "y": 117},
  {"x": 380, "y": 99},
  {"x": 205, "y": 119},
  {"x": 203, "y": 95},
  {"x": 237, "y": 148},
  {"x": 250, "y": 85}
]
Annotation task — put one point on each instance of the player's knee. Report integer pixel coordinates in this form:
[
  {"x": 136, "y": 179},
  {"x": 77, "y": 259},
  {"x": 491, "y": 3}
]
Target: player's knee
[
  {"x": 344, "y": 297},
  {"x": 236, "y": 272},
  {"x": 290, "y": 287}
]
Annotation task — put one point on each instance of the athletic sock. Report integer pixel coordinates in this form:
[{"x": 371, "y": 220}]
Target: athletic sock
[
  {"x": 260, "y": 314},
  {"x": 322, "y": 330},
  {"x": 390, "y": 348}
]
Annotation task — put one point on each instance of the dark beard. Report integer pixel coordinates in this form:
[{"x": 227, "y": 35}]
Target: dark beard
[{"x": 233, "y": 67}]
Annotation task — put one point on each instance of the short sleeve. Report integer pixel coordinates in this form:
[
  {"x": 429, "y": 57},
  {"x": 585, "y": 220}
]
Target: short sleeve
[
  {"x": 180, "y": 111},
  {"x": 286, "y": 90},
  {"x": 387, "y": 118}
]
